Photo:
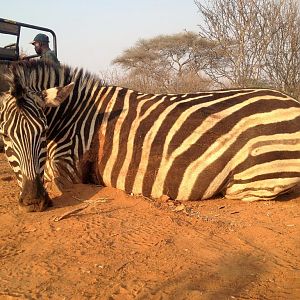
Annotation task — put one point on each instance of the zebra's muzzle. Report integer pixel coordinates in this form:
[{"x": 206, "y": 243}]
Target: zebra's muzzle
[{"x": 33, "y": 196}]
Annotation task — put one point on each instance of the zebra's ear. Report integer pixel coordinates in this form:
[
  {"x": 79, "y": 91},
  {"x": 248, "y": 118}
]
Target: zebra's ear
[{"x": 55, "y": 96}]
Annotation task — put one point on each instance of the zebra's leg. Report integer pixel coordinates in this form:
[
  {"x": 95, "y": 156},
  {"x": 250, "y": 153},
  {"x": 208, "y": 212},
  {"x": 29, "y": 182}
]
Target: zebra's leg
[
  {"x": 260, "y": 190},
  {"x": 58, "y": 178}
]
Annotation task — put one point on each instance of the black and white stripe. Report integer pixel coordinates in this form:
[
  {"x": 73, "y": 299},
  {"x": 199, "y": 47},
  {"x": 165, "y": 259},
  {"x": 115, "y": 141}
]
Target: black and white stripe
[
  {"x": 244, "y": 143},
  {"x": 24, "y": 137}
]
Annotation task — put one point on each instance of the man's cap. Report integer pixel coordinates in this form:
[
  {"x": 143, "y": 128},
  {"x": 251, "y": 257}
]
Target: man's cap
[{"x": 40, "y": 38}]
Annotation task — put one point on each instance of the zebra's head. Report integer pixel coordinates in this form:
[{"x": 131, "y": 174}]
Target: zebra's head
[{"x": 23, "y": 125}]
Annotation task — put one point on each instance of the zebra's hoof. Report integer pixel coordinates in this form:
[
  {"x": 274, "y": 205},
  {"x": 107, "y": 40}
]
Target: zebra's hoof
[{"x": 35, "y": 205}]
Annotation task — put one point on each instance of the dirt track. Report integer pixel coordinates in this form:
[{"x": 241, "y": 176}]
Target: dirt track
[{"x": 122, "y": 247}]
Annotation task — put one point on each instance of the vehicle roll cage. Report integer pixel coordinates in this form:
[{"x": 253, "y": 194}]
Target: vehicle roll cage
[{"x": 11, "y": 52}]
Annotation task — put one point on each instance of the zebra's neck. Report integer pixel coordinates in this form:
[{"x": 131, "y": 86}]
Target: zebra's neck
[{"x": 72, "y": 126}]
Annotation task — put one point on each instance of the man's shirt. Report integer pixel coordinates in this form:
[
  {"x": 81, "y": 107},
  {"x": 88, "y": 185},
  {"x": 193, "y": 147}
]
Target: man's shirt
[{"x": 50, "y": 56}]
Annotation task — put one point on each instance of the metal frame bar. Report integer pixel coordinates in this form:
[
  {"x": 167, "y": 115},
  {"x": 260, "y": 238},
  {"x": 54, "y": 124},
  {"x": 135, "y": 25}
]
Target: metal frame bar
[{"x": 20, "y": 24}]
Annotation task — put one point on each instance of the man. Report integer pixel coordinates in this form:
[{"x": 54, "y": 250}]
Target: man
[{"x": 41, "y": 47}]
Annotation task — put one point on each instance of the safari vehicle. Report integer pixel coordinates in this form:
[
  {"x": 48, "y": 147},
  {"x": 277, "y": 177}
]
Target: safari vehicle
[
  {"x": 10, "y": 38},
  {"x": 11, "y": 52},
  {"x": 12, "y": 31}
]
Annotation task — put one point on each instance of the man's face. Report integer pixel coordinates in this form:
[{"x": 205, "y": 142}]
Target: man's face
[{"x": 37, "y": 48}]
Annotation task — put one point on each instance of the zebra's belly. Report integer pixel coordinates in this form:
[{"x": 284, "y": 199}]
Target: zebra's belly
[
  {"x": 259, "y": 170},
  {"x": 174, "y": 180}
]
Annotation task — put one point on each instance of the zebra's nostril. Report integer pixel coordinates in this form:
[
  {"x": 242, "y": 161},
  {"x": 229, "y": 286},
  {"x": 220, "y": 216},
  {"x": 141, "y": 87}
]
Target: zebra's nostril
[
  {"x": 33, "y": 197},
  {"x": 29, "y": 204}
]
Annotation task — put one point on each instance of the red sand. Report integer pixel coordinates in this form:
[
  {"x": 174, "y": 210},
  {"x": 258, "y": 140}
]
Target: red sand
[{"x": 123, "y": 247}]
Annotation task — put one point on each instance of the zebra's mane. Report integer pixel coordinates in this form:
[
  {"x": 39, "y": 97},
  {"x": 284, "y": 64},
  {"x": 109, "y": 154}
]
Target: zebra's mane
[{"x": 39, "y": 75}]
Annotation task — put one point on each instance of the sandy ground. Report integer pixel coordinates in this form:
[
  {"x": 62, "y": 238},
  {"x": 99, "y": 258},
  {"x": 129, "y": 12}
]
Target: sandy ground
[{"x": 116, "y": 246}]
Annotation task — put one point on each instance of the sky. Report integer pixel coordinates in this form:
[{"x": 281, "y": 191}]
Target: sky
[{"x": 91, "y": 33}]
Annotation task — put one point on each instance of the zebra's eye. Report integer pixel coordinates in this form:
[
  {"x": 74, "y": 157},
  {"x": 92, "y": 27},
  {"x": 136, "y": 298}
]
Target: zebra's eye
[{"x": 5, "y": 137}]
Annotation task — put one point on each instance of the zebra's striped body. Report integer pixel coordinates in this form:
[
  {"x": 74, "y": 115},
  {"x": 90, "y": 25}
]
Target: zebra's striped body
[{"x": 242, "y": 143}]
